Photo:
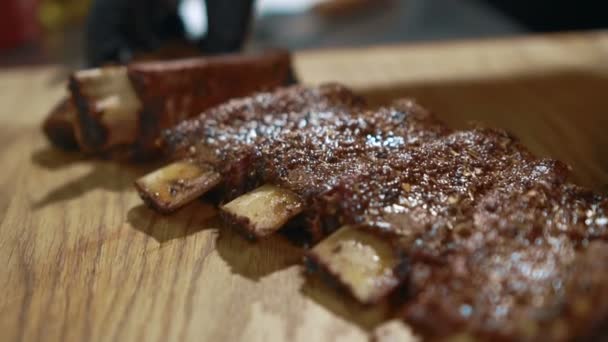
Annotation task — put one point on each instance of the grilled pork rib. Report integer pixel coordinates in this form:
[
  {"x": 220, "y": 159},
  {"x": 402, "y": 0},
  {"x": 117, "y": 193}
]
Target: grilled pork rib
[
  {"x": 118, "y": 107},
  {"x": 483, "y": 239}
]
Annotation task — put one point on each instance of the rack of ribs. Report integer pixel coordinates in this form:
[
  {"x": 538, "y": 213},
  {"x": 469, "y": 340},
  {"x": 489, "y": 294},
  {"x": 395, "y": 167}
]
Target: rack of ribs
[
  {"x": 474, "y": 235},
  {"x": 128, "y": 106}
]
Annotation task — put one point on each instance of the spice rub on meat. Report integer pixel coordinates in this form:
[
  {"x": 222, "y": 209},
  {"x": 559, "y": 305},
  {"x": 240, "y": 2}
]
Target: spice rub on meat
[{"x": 263, "y": 115}]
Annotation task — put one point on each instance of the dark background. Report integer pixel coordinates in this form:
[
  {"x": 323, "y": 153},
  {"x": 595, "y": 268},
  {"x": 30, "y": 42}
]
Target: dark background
[{"x": 379, "y": 22}]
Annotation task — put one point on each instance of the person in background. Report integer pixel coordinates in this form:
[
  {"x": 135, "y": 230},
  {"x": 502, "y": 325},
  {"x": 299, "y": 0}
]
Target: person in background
[
  {"x": 118, "y": 30},
  {"x": 555, "y": 15}
]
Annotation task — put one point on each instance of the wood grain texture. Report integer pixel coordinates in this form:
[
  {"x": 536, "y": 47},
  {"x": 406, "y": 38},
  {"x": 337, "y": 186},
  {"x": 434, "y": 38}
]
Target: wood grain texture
[{"x": 82, "y": 260}]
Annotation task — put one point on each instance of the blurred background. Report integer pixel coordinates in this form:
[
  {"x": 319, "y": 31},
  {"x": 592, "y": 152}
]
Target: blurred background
[{"x": 52, "y": 31}]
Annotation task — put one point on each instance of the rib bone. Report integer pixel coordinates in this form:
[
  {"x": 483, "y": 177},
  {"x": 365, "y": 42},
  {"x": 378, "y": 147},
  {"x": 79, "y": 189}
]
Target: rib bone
[
  {"x": 107, "y": 108},
  {"x": 263, "y": 211},
  {"x": 366, "y": 264},
  {"x": 59, "y": 125},
  {"x": 363, "y": 262},
  {"x": 176, "y": 184}
]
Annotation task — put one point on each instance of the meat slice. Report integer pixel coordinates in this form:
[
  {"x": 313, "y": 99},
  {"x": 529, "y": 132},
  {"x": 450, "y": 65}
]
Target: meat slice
[{"x": 225, "y": 138}]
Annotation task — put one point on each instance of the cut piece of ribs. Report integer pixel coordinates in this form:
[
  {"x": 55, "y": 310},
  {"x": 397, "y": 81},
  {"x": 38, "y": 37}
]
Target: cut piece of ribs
[
  {"x": 398, "y": 190},
  {"x": 128, "y": 106},
  {"x": 351, "y": 170},
  {"x": 225, "y": 138}
]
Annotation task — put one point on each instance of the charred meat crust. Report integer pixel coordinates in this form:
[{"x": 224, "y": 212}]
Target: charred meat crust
[
  {"x": 491, "y": 235},
  {"x": 169, "y": 92},
  {"x": 281, "y": 138},
  {"x": 224, "y": 137},
  {"x": 59, "y": 125},
  {"x": 515, "y": 278}
]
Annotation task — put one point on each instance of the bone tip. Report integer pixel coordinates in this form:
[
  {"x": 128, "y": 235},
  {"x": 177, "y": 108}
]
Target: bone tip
[
  {"x": 262, "y": 211},
  {"x": 152, "y": 200},
  {"x": 359, "y": 262},
  {"x": 316, "y": 266},
  {"x": 242, "y": 225}
]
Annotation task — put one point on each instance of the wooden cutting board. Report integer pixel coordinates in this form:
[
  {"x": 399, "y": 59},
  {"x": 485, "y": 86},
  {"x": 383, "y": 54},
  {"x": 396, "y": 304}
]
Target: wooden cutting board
[{"x": 82, "y": 260}]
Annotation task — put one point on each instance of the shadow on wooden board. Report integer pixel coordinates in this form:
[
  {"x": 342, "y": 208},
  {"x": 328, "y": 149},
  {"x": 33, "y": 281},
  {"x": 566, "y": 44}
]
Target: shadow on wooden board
[
  {"x": 52, "y": 158},
  {"x": 256, "y": 259},
  {"x": 103, "y": 175},
  {"x": 563, "y": 115},
  {"x": 192, "y": 219},
  {"x": 109, "y": 175},
  {"x": 343, "y": 305}
]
